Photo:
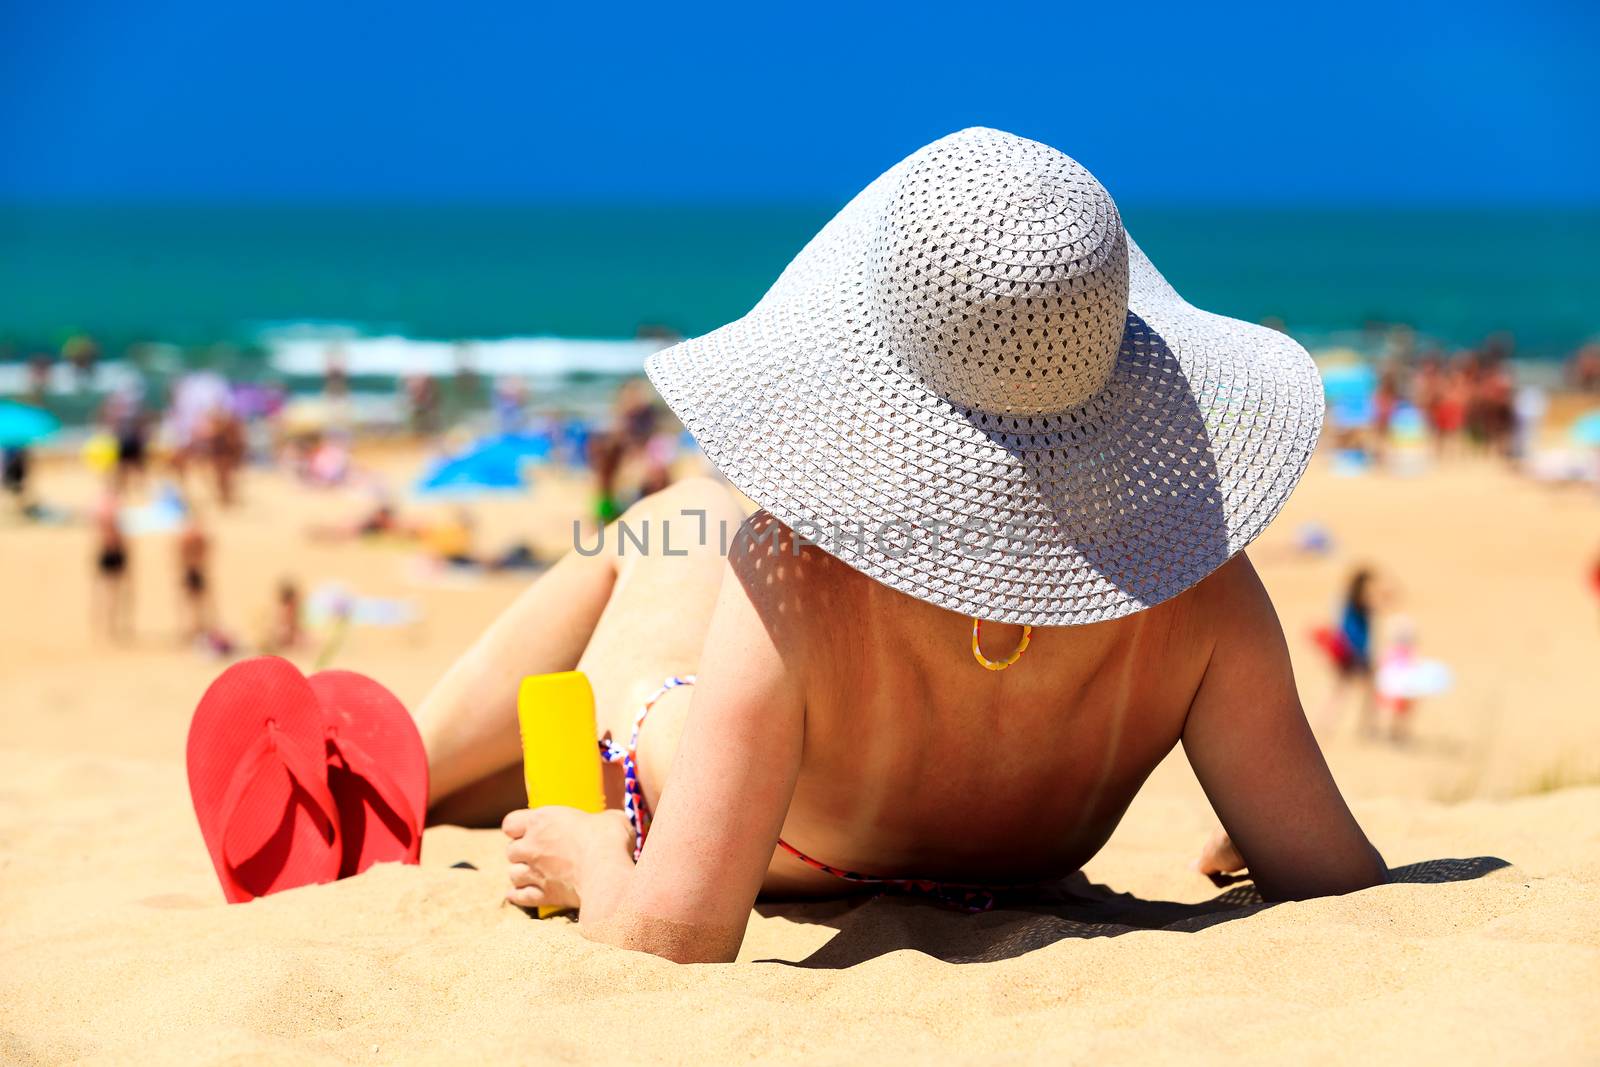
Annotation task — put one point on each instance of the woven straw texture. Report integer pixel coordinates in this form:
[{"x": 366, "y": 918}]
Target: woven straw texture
[{"x": 973, "y": 387}]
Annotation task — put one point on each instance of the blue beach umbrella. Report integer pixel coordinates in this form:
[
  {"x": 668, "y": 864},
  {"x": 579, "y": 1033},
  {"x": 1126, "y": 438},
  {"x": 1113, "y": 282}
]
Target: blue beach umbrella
[
  {"x": 1586, "y": 431},
  {"x": 1350, "y": 388},
  {"x": 492, "y": 465},
  {"x": 21, "y": 425},
  {"x": 470, "y": 476}
]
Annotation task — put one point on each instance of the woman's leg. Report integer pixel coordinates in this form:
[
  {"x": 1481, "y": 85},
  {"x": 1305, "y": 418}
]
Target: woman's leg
[
  {"x": 468, "y": 721},
  {"x": 628, "y": 616}
]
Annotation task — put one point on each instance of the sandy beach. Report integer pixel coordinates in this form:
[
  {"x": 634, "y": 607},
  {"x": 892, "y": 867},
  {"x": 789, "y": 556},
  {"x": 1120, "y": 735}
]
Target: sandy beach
[{"x": 116, "y": 946}]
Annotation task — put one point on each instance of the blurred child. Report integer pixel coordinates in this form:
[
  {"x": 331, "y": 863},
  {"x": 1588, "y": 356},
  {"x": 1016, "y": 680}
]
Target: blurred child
[
  {"x": 113, "y": 598},
  {"x": 1397, "y": 697},
  {"x": 1404, "y": 677},
  {"x": 1349, "y": 647}
]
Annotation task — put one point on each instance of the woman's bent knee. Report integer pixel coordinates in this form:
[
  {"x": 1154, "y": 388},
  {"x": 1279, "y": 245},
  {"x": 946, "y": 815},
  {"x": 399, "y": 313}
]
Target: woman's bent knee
[
  {"x": 699, "y": 511},
  {"x": 698, "y": 493},
  {"x": 695, "y": 518}
]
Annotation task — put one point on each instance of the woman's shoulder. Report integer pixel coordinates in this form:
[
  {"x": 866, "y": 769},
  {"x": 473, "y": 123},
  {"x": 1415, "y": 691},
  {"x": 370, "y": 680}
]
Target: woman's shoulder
[
  {"x": 1231, "y": 609},
  {"x": 765, "y": 541},
  {"x": 794, "y": 585}
]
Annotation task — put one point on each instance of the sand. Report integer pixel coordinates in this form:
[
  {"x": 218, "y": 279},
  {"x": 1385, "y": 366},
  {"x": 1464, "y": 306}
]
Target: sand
[{"x": 115, "y": 945}]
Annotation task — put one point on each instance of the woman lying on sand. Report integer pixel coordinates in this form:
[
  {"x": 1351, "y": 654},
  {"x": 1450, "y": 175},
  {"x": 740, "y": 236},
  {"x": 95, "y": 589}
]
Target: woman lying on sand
[{"x": 980, "y": 401}]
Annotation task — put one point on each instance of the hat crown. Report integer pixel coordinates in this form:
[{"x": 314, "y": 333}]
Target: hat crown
[{"x": 1000, "y": 271}]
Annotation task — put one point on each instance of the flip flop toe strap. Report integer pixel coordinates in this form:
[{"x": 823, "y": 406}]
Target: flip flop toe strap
[
  {"x": 247, "y": 829},
  {"x": 361, "y": 763}
]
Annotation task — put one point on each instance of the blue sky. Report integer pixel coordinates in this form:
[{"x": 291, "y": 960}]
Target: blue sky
[{"x": 1354, "y": 102}]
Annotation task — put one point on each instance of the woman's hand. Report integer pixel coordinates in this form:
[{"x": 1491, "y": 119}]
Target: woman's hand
[
  {"x": 554, "y": 852},
  {"x": 1220, "y": 859}
]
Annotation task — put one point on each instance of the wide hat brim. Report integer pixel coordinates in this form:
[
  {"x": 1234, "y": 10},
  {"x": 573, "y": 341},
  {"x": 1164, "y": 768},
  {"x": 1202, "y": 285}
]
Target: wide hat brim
[{"x": 1192, "y": 447}]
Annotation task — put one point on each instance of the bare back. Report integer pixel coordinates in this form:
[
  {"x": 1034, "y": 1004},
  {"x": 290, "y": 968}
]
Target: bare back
[{"x": 917, "y": 762}]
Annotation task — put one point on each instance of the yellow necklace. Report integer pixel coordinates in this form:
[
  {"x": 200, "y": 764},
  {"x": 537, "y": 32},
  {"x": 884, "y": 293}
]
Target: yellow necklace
[{"x": 998, "y": 665}]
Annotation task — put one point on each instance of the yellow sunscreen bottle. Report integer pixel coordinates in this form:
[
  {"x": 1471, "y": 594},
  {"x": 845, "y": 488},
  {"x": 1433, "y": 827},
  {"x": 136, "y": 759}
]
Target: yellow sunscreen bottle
[{"x": 560, "y": 760}]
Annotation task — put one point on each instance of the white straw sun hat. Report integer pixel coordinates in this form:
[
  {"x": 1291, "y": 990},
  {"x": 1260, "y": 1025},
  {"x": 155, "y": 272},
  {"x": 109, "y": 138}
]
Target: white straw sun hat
[{"x": 974, "y": 388}]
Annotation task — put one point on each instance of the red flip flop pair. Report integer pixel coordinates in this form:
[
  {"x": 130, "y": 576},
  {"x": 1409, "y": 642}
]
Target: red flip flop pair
[{"x": 301, "y": 780}]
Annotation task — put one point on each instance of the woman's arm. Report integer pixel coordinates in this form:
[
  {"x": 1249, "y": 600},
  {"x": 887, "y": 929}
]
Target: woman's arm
[
  {"x": 1247, "y": 739},
  {"x": 728, "y": 791}
]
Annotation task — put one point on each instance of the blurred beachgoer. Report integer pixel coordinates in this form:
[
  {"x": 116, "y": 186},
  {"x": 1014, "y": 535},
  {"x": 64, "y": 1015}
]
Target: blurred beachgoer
[
  {"x": 259, "y": 401},
  {"x": 467, "y": 393},
  {"x": 519, "y": 556},
  {"x": 511, "y": 404},
  {"x": 634, "y": 448},
  {"x": 113, "y": 596},
  {"x": 226, "y": 449},
  {"x": 196, "y": 398},
  {"x": 1583, "y": 369},
  {"x": 1404, "y": 678},
  {"x": 284, "y": 632},
  {"x": 606, "y": 451},
  {"x": 1385, "y": 402},
  {"x": 1528, "y": 412},
  {"x": 1499, "y": 347},
  {"x": 381, "y": 519},
  {"x": 1494, "y": 406},
  {"x": 126, "y": 420},
  {"x": 335, "y": 376},
  {"x": 194, "y": 551},
  {"x": 635, "y": 412},
  {"x": 39, "y": 368},
  {"x": 1397, "y": 699},
  {"x": 422, "y": 404},
  {"x": 1448, "y": 415},
  {"x": 15, "y": 466},
  {"x": 1400, "y": 655},
  {"x": 1427, "y": 387},
  {"x": 132, "y": 449},
  {"x": 327, "y": 462},
  {"x": 450, "y": 540},
  {"x": 1349, "y": 648}
]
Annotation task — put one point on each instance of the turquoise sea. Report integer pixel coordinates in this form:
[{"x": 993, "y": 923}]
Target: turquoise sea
[{"x": 196, "y": 276}]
